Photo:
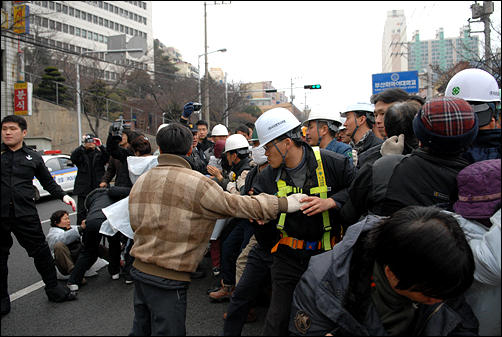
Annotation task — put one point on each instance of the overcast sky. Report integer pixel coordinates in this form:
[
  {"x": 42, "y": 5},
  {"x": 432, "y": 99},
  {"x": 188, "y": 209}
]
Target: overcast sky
[{"x": 335, "y": 44}]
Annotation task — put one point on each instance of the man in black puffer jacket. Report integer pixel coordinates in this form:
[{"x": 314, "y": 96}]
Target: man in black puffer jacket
[{"x": 90, "y": 159}]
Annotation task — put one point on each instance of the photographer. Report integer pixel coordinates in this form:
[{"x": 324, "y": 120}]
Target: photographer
[
  {"x": 118, "y": 152},
  {"x": 90, "y": 159}
]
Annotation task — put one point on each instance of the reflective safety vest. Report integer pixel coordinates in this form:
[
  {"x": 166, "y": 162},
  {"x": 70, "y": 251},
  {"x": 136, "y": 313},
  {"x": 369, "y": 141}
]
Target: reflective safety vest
[{"x": 322, "y": 190}]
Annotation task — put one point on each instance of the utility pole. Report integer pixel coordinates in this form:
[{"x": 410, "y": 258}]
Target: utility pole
[
  {"x": 206, "y": 77},
  {"x": 483, "y": 14}
]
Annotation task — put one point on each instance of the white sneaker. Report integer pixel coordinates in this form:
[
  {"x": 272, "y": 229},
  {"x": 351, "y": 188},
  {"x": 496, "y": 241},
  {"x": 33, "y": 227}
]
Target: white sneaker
[
  {"x": 72, "y": 287},
  {"x": 116, "y": 276}
]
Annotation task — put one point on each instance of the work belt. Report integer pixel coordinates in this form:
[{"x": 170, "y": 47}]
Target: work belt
[{"x": 307, "y": 245}]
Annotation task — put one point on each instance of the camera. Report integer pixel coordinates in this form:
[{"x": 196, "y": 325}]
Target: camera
[
  {"x": 197, "y": 106},
  {"x": 117, "y": 127}
]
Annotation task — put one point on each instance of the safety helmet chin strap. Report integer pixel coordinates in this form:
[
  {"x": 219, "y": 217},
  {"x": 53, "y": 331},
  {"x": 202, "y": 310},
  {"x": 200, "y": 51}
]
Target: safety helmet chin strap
[
  {"x": 357, "y": 126},
  {"x": 283, "y": 164},
  {"x": 318, "y": 133}
]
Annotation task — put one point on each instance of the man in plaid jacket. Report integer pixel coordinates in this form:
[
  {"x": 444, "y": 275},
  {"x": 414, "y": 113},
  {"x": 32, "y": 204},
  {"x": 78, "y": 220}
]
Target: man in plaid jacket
[{"x": 173, "y": 210}]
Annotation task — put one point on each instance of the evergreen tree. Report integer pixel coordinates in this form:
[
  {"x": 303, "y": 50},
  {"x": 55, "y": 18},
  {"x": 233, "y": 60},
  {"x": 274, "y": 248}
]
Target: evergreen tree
[{"x": 47, "y": 88}]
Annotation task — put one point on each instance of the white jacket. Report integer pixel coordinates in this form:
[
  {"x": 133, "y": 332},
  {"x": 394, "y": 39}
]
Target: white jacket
[
  {"x": 484, "y": 296},
  {"x": 57, "y": 234}
]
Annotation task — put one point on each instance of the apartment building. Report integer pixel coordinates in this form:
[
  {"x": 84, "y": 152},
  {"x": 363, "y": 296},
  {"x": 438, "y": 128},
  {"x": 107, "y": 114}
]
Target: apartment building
[
  {"x": 83, "y": 26},
  {"x": 394, "y": 42}
]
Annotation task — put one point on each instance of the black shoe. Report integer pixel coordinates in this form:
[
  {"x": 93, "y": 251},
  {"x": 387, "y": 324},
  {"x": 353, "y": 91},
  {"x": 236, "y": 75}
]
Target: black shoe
[
  {"x": 199, "y": 273},
  {"x": 128, "y": 278},
  {"x": 5, "y": 306},
  {"x": 60, "y": 294}
]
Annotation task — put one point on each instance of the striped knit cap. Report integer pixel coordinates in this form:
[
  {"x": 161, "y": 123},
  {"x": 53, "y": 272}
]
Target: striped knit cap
[{"x": 446, "y": 123}]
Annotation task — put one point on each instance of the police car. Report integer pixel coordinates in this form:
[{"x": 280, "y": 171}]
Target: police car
[{"x": 62, "y": 170}]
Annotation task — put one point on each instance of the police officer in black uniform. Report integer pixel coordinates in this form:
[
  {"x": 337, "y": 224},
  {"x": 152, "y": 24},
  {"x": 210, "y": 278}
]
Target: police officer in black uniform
[{"x": 19, "y": 213}]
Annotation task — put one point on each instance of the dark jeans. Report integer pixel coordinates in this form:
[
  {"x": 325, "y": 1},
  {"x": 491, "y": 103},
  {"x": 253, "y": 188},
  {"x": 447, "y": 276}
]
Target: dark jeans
[
  {"x": 81, "y": 211},
  {"x": 159, "y": 305},
  {"x": 232, "y": 247},
  {"x": 249, "y": 287},
  {"x": 287, "y": 269},
  {"x": 89, "y": 255},
  {"x": 29, "y": 234}
]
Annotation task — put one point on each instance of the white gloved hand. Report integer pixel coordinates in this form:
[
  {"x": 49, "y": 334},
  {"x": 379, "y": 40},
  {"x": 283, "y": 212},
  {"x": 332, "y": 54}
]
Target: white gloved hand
[
  {"x": 354, "y": 157},
  {"x": 231, "y": 187},
  {"x": 241, "y": 181},
  {"x": 69, "y": 201},
  {"x": 294, "y": 203},
  {"x": 393, "y": 145}
]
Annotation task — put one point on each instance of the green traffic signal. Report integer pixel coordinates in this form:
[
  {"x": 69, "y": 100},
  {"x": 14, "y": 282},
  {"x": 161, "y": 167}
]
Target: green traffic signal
[{"x": 313, "y": 86}]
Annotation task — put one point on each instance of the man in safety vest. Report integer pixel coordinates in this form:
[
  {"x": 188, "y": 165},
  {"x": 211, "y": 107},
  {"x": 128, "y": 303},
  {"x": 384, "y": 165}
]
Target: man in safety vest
[{"x": 295, "y": 166}]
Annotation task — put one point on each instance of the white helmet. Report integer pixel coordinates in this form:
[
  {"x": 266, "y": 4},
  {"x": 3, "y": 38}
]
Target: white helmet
[
  {"x": 274, "y": 123},
  {"x": 473, "y": 85},
  {"x": 325, "y": 116},
  {"x": 219, "y": 130},
  {"x": 237, "y": 142},
  {"x": 161, "y": 126},
  {"x": 368, "y": 108}
]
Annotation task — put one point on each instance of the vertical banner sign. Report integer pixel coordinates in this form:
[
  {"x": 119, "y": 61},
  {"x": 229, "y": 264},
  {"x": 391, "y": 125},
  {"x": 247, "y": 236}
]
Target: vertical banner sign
[
  {"x": 21, "y": 21},
  {"x": 23, "y": 98}
]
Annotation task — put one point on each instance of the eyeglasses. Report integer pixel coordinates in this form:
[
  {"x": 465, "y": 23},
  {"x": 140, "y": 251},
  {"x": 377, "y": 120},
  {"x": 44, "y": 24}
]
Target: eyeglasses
[{"x": 268, "y": 147}]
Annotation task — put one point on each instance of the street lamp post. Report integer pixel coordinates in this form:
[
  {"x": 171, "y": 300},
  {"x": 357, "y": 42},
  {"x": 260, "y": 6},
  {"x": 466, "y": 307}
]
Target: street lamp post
[
  {"x": 198, "y": 74},
  {"x": 78, "y": 82}
]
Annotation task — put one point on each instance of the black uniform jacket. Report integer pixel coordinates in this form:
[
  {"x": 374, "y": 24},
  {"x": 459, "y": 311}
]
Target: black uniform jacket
[{"x": 18, "y": 170}]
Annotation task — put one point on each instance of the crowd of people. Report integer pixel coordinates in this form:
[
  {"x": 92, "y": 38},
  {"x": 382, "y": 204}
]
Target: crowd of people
[{"x": 383, "y": 218}]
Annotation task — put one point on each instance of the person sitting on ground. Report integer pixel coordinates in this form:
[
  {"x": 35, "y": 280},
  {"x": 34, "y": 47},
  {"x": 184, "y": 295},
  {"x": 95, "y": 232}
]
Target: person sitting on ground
[
  {"x": 64, "y": 242},
  {"x": 404, "y": 275}
]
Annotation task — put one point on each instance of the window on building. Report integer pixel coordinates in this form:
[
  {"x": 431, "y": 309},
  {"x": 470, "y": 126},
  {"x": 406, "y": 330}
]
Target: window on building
[
  {"x": 100, "y": 4},
  {"x": 59, "y": 44},
  {"x": 106, "y": 40},
  {"x": 144, "y": 21},
  {"x": 72, "y": 47},
  {"x": 144, "y": 5},
  {"x": 121, "y": 11},
  {"x": 51, "y": 5},
  {"x": 59, "y": 27},
  {"x": 84, "y": 33},
  {"x": 52, "y": 24},
  {"x": 116, "y": 10},
  {"x": 140, "y": 19},
  {"x": 44, "y": 4},
  {"x": 89, "y": 35},
  {"x": 84, "y": 15},
  {"x": 71, "y": 11},
  {"x": 130, "y": 15},
  {"x": 144, "y": 35},
  {"x": 65, "y": 9},
  {"x": 89, "y": 17},
  {"x": 127, "y": 30},
  {"x": 106, "y": 23},
  {"x": 121, "y": 28},
  {"x": 72, "y": 30},
  {"x": 58, "y": 7},
  {"x": 116, "y": 26},
  {"x": 78, "y": 49},
  {"x": 107, "y": 75},
  {"x": 95, "y": 19},
  {"x": 52, "y": 42},
  {"x": 77, "y": 13},
  {"x": 100, "y": 38},
  {"x": 105, "y": 6},
  {"x": 96, "y": 37},
  {"x": 77, "y": 31},
  {"x": 65, "y": 28},
  {"x": 100, "y": 21},
  {"x": 38, "y": 20},
  {"x": 135, "y": 17}
]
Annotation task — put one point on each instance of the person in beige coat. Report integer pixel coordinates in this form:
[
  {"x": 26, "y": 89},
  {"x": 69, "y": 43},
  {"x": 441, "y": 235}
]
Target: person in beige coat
[{"x": 173, "y": 210}]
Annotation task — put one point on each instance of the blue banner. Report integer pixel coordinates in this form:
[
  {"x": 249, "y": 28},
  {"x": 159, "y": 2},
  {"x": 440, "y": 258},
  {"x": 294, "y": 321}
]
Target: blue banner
[{"x": 406, "y": 80}]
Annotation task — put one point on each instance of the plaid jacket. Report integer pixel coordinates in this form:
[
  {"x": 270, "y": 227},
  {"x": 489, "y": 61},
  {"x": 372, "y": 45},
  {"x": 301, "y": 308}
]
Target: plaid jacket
[{"x": 173, "y": 210}]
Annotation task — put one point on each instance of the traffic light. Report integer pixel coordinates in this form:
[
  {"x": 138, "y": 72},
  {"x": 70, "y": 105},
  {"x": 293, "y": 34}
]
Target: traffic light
[{"x": 313, "y": 86}]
